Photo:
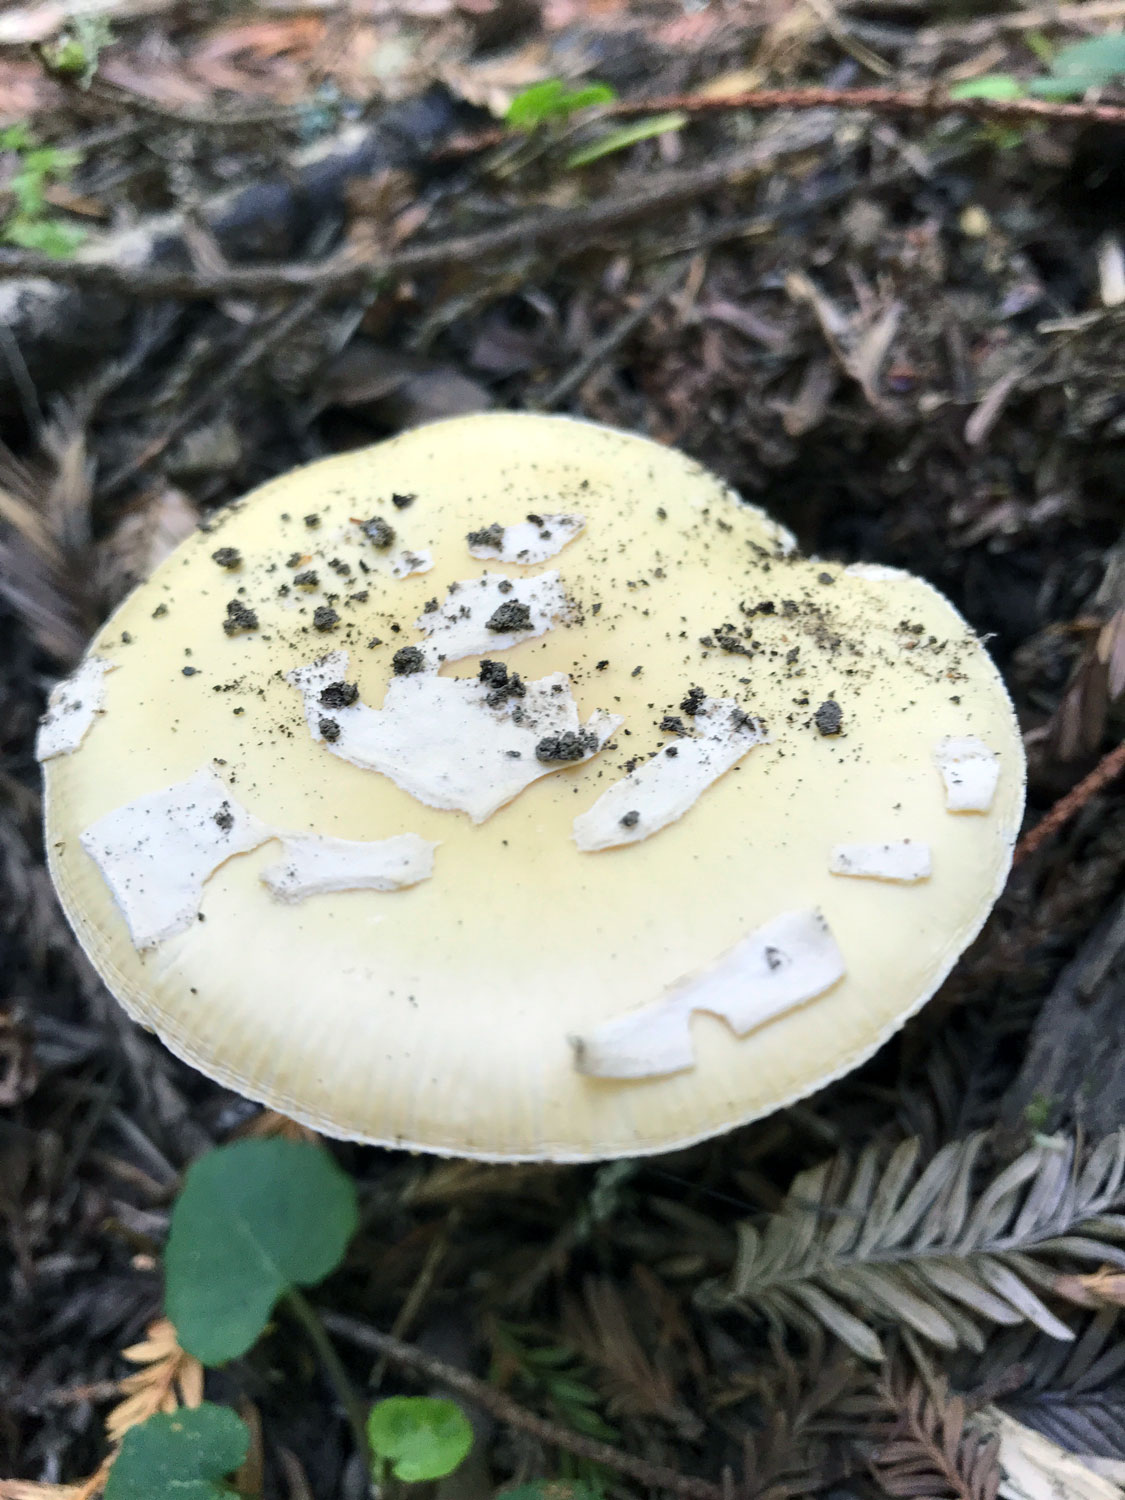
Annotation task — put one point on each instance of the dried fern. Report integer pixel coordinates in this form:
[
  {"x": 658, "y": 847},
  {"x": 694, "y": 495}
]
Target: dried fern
[
  {"x": 812, "y": 1414},
  {"x": 1074, "y": 1394},
  {"x": 855, "y": 1247},
  {"x": 930, "y": 1450}
]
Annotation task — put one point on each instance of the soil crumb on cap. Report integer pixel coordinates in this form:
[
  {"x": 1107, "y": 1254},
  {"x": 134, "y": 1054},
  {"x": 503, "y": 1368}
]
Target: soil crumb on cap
[
  {"x": 339, "y": 695},
  {"x": 239, "y": 618},
  {"x": 407, "y": 660},
  {"x": 227, "y": 557},
  {"x": 378, "y": 531},
  {"x": 512, "y": 615},
  {"x": 487, "y": 536},
  {"x": 573, "y": 745},
  {"x": 829, "y": 717}
]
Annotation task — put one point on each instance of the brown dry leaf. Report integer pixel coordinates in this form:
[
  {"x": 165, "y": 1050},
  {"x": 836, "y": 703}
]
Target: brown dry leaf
[
  {"x": 170, "y": 1379},
  {"x": 250, "y": 1477},
  {"x": 143, "y": 538},
  {"x": 270, "y": 1123},
  {"x": 24, "y": 24},
  {"x": 1101, "y": 1288},
  {"x": 1111, "y": 653},
  {"x": 83, "y": 1489},
  {"x": 493, "y": 82},
  {"x": 635, "y": 1384},
  {"x": 263, "y": 40},
  {"x": 859, "y": 342}
]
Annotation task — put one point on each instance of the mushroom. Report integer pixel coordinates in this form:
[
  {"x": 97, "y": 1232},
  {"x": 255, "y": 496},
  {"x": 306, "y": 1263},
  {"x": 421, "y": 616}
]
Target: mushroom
[{"x": 526, "y": 859}]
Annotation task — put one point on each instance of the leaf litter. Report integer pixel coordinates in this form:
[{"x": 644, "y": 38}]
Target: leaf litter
[{"x": 903, "y": 337}]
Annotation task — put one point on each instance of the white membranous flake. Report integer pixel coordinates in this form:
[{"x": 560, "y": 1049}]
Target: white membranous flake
[
  {"x": 491, "y": 613},
  {"x": 788, "y": 961},
  {"x": 665, "y": 787},
  {"x": 468, "y": 744},
  {"x": 902, "y": 859},
  {"x": 876, "y": 572},
  {"x": 71, "y": 709},
  {"x": 156, "y": 853},
  {"x": 406, "y": 562},
  {"x": 531, "y": 541},
  {"x": 970, "y": 771},
  {"x": 311, "y": 865}
]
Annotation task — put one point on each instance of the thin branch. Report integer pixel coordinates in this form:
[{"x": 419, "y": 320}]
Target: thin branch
[
  {"x": 277, "y": 329},
  {"x": 601, "y": 349},
  {"x": 654, "y": 1476},
  {"x": 567, "y": 232},
  {"x": 934, "y": 102},
  {"x": 1107, "y": 769},
  {"x": 310, "y": 1321}
]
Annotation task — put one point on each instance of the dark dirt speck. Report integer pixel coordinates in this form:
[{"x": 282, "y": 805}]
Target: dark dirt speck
[
  {"x": 377, "y": 531},
  {"x": 239, "y": 618},
  {"x": 829, "y": 717},
  {"x": 568, "y": 746},
  {"x": 339, "y": 695},
  {"x": 511, "y": 615},
  {"x": 407, "y": 660}
]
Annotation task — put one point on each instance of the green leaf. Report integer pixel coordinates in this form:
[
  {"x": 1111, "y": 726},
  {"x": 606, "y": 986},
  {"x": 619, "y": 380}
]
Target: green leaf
[
  {"x": 552, "y": 100},
  {"x": 48, "y": 236},
  {"x": 627, "y": 135},
  {"x": 15, "y": 137},
  {"x": 990, "y": 86},
  {"x": 1042, "y": 47},
  {"x": 421, "y": 1437},
  {"x": 253, "y": 1220},
  {"x": 1089, "y": 64},
  {"x": 184, "y": 1455}
]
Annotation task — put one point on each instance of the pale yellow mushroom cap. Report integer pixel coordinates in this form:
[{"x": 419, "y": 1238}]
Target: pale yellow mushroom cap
[{"x": 441, "y": 1015}]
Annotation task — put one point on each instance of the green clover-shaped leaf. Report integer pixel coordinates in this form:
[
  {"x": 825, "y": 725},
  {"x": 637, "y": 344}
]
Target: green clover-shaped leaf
[{"x": 253, "y": 1220}]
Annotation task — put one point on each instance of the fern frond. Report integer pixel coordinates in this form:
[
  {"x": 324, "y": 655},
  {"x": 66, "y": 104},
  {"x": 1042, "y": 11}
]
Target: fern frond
[
  {"x": 169, "y": 1378},
  {"x": 853, "y": 1247},
  {"x": 930, "y": 1450},
  {"x": 1073, "y": 1394}
]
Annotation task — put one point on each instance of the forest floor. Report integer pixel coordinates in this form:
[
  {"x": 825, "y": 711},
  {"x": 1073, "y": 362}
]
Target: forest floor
[{"x": 903, "y": 333}]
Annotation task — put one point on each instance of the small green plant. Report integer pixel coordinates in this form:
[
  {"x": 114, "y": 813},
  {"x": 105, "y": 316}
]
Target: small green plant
[
  {"x": 29, "y": 224},
  {"x": 1093, "y": 63},
  {"x": 254, "y": 1221},
  {"x": 553, "y": 101},
  {"x": 626, "y": 135},
  {"x": 78, "y": 50},
  {"x": 188, "y": 1454},
  {"x": 553, "y": 1371},
  {"x": 417, "y": 1438}
]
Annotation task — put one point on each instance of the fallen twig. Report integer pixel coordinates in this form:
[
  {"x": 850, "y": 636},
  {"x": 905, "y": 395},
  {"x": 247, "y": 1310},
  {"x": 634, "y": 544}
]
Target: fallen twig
[
  {"x": 567, "y": 231},
  {"x": 1107, "y": 769},
  {"x": 601, "y": 349},
  {"x": 276, "y": 330},
  {"x": 934, "y": 102},
  {"x": 406, "y": 1356}
]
